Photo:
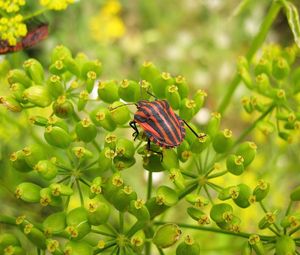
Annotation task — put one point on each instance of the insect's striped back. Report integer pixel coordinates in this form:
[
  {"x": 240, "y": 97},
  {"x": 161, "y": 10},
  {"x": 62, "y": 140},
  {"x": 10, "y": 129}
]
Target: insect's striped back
[{"x": 161, "y": 124}]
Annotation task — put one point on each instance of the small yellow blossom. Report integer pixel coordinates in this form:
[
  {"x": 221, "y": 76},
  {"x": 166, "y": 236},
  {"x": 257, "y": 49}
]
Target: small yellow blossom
[
  {"x": 56, "y": 5},
  {"x": 10, "y": 6}
]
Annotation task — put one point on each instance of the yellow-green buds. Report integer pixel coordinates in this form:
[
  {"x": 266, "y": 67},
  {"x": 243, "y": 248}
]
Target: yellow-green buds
[
  {"x": 34, "y": 70},
  {"x": 46, "y": 169},
  {"x": 60, "y": 52},
  {"x": 177, "y": 178},
  {"x": 247, "y": 151},
  {"x": 96, "y": 188},
  {"x": 182, "y": 86},
  {"x": 28, "y": 192},
  {"x": 37, "y": 95},
  {"x": 280, "y": 68},
  {"x": 63, "y": 108},
  {"x": 201, "y": 143},
  {"x": 199, "y": 98},
  {"x": 166, "y": 196},
  {"x": 183, "y": 151},
  {"x": 55, "y": 223},
  {"x": 256, "y": 244},
  {"x": 35, "y": 235},
  {"x": 71, "y": 66},
  {"x": 187, "y": 109},
  {"x": 108, "y": 91},
  {"x": 149, "y": 72},
  {"x": 55, "y": 86},
  {"x": 129, "y": 90},
  {"x": 263, "y": 66},
  {"x": 57, "y": 136},
  {"x": 83, "y": 99},
  {"x": 105, "y": 159},
  {"x": 78, "y": 248},
  {"x": 228, "y": 192},
  {"x": 285, "y": 245},
  {"x": 188, "y": 247},
  {"x": 243, "y": 197},
  {"x": 173, "y": 96},
  {"x": 18, "y": 161},
  {"x": 98, "y": 212},
  {"x": 125, "y": 148},
  {"x": 17, "y": 92},
  {"x": 139, "y": 210},
  {"x": 261, "y": 190},
  {"x": 137, "y": 241},
  {"x": 267, "y": 220},
  {"x": 86, "y": 130},
  {"x": 11, "y": 103},
  {"x": 122, "y": 198},
  {"x": 235, "y": 164},
  {"x": 223, "y": 141},
  {"x": 18, "y": 76},
  {"x": 166, "y": 235},
  {"x": 7, "y": 239},
  {"x": 120, "y": 115},
  {"x": 170, "y": 159},
  {"x": 102, "y": 117},
  {"x": 161, "y": 83},
  {"x": 263, "y": 84},
  {"x": 47, "y": 197},
  {"x": 58, "y": 189},
  {"x": 196, "y": 200},
  {"x": 198, "y": 215},
  {"x": 221, "y": 213},
  {"x": 77, "y": 223}
]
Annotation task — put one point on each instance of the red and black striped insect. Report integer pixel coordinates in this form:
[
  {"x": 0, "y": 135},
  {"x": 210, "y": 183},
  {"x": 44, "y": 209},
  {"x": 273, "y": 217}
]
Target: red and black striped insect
[{"x": 34, "y": 36}]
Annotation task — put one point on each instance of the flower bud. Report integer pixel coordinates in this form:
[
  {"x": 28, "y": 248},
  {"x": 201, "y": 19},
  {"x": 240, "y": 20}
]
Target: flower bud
[
  {"x": 234, "y": 164},
  {"x": 198, "y": 215},
  {"x": 102, "y": 117},
  {"x": 149, "y": 72},
  {"x": 246, "y": 249},
  {"x": 247, "y": 105},
  {"x": 58, "y": 189},
  {"x": 18, "y": 161},
  {"x": 263, "y": 84},
  {"x": 120, "y": 115},
  {"x": 95, "y": 187},
  {"x": 58, "y": 67},
  {"x": 161, "y": 83},
  {"x": 55, "y": 223},
  {"x": 263, "y": 66},
  {"x": 33, "y": 154},
  {"x": 137, "y": 241},
  {"x": 105, "y": 159},
  {"x": 28, "y": 192},
  {"x": 200, "y": 144},
  {"x": 60, "y": 52},
  {"x": 34, "y": 70},
  {"x": 77, "y": 223},
  {"x": 83, "y": 99},
  {"x": 155, "y": 206},
  {"x": 223, "y": 141},
  {"x": 199, "y": 99},
  {"x": 47, "y": 198},
  {"x": 182, "y": 86},
  {"x": 173, "y": 96},
  {"x": 129, "y": 91},
  {"x": 285, "y": 245},
  {"x": 37, "y": 95},
  {"x": 177, "y": 178},
  {"x": 85, "y": 130},
  {"x": 82, "y": 153},
  {"x": 166, "y": 196},
  {"x": 125, "y": 148},
  {"x": 139, "y": 210},
  {"x": 88, "y": 66},
  {"x": 247, "y": 150},
  {"x": 58, "y": 137},
  {"x": 145, "y": 87},
  {"x": 11, "y": 103},
  {"x": 267, "y": 220},
  {"x": 188, "y": 247},
  {"x": 122, "y": 163},
  {"x": 153, "y": 163},
  {"x": 63, "y": 108},
  {"x": 46, "y": 169},
  {"x": 121, "y": 200},
  {"x": 187, "y": 109},
  {"x": 71, "y": 65},
  {"x": 261, "y": 190},
  {"x": 17, "y": 90},
  {"x": 290, "y": 221},
  {"x": 98, "y": 212},
  {"x": 170, "y": 159},
  {"x": 166, "y": 235},
  {"x": 190, "y": 136},
  {"x": 78, "y": 248},
  {"x": 7, "y": 239},
  {"x": 243, "y": 198},
  {"x": 108, "y": 91},
  {"x": 228, "y": 192},
  {"x": 18, "y": 76},
  {"x": 221, "y": 212},
  {"x": 183, "y": 151},
  {"x": 256, "y": 244},
  {"x": 280, "y": 68},
  {"x": 246, "y": 77},
  {"x": 36, "y": 236},
  {"x": 214, "y": 124},
  {"x": 55, "y": 86},
  {"x": 295, "y": 194}
]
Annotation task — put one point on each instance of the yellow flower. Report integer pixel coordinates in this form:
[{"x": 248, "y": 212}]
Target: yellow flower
[
  {"x": 56, "y": 5},
  {"x": 107, "y": 26},
  {"x": 11, "y": 5}
]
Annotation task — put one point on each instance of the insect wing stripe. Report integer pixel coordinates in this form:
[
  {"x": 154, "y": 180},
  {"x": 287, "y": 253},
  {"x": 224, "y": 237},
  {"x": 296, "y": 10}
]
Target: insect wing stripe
[{"x": 149, "y": 129}]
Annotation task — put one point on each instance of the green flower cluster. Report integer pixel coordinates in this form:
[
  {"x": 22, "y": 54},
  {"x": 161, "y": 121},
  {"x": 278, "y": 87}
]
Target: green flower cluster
[
  {"x": 274, "y": 79},
  {"x": 86, "y": 155}
]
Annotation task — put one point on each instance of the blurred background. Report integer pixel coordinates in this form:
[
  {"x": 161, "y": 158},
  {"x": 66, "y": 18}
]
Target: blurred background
[{"x": 200, "y": 39}]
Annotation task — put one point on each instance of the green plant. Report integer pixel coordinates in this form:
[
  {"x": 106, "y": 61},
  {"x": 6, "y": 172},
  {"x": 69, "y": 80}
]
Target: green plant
[{"x": 82, "y": 151}]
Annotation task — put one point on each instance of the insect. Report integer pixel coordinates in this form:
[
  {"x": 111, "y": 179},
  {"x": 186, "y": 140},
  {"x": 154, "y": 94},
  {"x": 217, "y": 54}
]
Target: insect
[{"x": 34, "y": 36}]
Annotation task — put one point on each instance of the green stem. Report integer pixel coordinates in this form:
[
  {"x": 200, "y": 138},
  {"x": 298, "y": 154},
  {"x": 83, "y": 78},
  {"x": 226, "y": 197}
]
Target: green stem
[
  {"x": 294, "y": 230},
  {"x": 217, "y": 174},
  {"x": 96, "y": 146},
  {"x": 85, "y": 182},
  {"x": 102, "y": 233},
  {"x": 255, "y": 45},
  {"x": 7, "y": 220},
  {"x": 80, "y": 193},
  {"x": 188, "y": 190},
  {"x": 160, "y": 251},
  {"x": 208, "y": 194},
  {"x": 107, "y": 246},
  {"x": 188, "y": 174},
  {"x": 121, "y": 221},
  {"x": 215, "y": 186},
  {"x": 64, "y": 179},
  {"x": 36, "y": 13},
  {"x": 216, "y": 230},
  {"x": 288, "y": 210},
  {"x": 149, "y": 185}
]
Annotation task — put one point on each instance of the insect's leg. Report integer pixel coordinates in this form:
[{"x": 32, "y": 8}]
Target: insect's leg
[
  {"x": 136, "y": 131},
  {"x": 149, "y": 93},
  {"x": 194, "y": 132},
  {"x": 157, "y": 152}
]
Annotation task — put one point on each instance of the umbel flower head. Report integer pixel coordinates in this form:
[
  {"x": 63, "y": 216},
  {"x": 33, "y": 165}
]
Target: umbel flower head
[
  {"x": 10, "y": 6},
  {"x": 56, "y": 5},
  {"x": 12, "y": 28}
]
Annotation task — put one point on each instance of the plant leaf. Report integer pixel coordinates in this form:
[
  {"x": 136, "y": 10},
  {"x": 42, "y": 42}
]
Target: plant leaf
[{"x": 293, "y": 19}]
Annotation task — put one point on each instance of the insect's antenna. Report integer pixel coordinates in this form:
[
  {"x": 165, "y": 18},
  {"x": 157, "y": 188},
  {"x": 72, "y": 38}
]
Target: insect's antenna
[
  {"x": 149, "y": 93},
  {"x": 113, "y": 108},
  {"x": 194, "y": 132},
  {"x": 141, "y": 90}
]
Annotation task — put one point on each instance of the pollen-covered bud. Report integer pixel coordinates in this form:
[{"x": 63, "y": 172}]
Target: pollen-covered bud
[
  {"x": 77, "y": 248},
  {"x": 183, "y": 151},
  {"x": 228, "y": 192},
  {"x": 112, "y": 186},
  {"x": 166, "y": 196},
  {"x": 166, "y": 235},
  {"x": 214, "y": 124},
  {"x": 200, "y": 143},
  {"x": 58, "y": 67},
  {"x": 122, "y": 198},
  {"x": 182, "y": 86},
  {"x": 137, "y": 241},
  {"x": 18, "y": 76},
  {"x": 11, "y": 103},
  {"x": 57, "y": 136},
  {"x": 88, "y": 66},
  {"x": 279, "y": 96},
  {"x": 244, "y": 194},
  {"x": 149, "y": 72},
  {"x": 53, "y": 246},
  {"x": 280, "y": 68},
  {"x": 198, "y": 216},
  {"x": 173, "y": 96},
  {"x": 46, "y": 169},
  {"x": 246, "y": 77},
  {"x": 111, "y": 140},
  {"x": 58, "y": 189},
  {"x": 256, "y": 244},
  {"x": 35, "y": 235},
  {"x": 247, "y": 150},
  {"x": 223, "y": 141},
  {"x": 263, "y": 66},
  {"x": 17, "y": 90},
  {"x": 267, "y": 220},
  {"x": 82, "y": 153},
  {"x": 234, "y": 164},
  {"x": 7, "y": 239},
  {"x": 77, "y": 223},
  {"x": 196, "y": 200},
  {"x": 105, "y": 159},
  {"x": 55, "y": 223},
  {"x": 119, "y": 113},
  {"x": 161, "y": 83},
  {"x": 33, "y": 154},
  {"x": 177, "y": 178},
  {"x": 63, "y": 108},
  {"x": 18, "y": 161},
  {"x": 170, "y": 159},
  {"x": 108, "y": 91},
  {"x": 95, "y": 187},
  {"x": 247, "y": 105},
  {"x": 55, "y": 86},
  {"x": 85, "y": 130},
  {"x": 37, "y": 95},
  {"x": 187, "y": 109},
  {"x": 28, "y": 192},
  {"x": 71, "y": 65},
  {"x": 261, "y": 190},
  {"x": 34, "y": 70},
  {"x": 221, "y": 213},
  {"x": 188, "y": 247},
  {"x": 152, "y": 162},
  {"x": 60, "y": 52},
  {"x": 263, "y": 84},
  {"x": 129, "y": 90},
  {"x": 125, "y": 148},
  {"x": 285, "y": 245},
  {"x": 82, "y": 100},
  {"x": 102, "y": 117},
  {"x": 98, "y": 212},
  {"x": 199, "y": 99},
  {"x": 47, "y": 198}
]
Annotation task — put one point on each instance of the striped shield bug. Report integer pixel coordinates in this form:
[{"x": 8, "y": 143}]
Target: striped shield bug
[{"x": 161, "y": 124}]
